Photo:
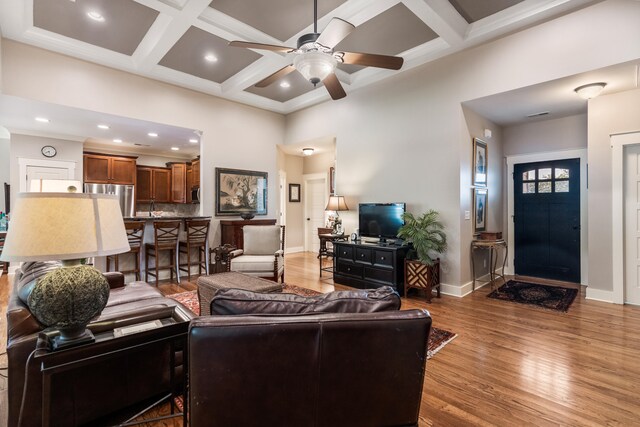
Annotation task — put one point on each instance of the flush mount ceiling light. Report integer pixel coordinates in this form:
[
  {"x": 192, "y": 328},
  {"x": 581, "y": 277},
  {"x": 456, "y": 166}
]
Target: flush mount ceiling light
[
  {"x": 307, "y": 151},
  {"x": 96, "y": 16},
  {"x": 42, "y": 120},
  {"x": 153, "y": 134},
  {"x": 590, "y": 91},
  {"x": 285, "y": 85},
  {"x": 117, "y": 140},
  {"x": 103, "y": 127},
  {"x": 175, "y": 149}
]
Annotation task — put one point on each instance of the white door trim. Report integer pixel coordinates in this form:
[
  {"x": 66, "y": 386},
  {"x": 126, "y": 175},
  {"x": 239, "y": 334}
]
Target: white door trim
[
  {"x": 23, "y": 163},
  {"x": 617, "y": 210},
  {"x": 541, "y": 157},
  {"x": 306, "y": 178}
]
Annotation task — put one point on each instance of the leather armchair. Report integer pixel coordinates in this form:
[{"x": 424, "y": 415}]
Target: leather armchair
[
  {"x": 336, "y": 369},
  {"x": 263, "y": 253}
]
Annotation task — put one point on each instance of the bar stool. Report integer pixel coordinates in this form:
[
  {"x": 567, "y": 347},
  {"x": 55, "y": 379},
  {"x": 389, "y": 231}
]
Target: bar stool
[
  {"x": 165, "y": 238},
  {"x": 197, "y": 237},
  {"x": 135, "y": 231}
]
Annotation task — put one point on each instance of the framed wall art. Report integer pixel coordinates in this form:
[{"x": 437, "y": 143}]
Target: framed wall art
[
  {"x": 480, "y": 200},
  {"x": 240, "y": 191},
  {"x": 480, "y": 162},
  {"x": 294, "y": 192},
  {"x": 332, "y": 181}
]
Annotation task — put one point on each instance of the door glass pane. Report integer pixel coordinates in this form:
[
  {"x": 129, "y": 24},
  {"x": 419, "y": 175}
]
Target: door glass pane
[
  {"x": 544, "y": 173},
  {"x": 544, "y": 187},
  {"x": 562, "y": 186},
  {"x": 528, "y": 187},
  {"x": 529, "y": 175},
  {"x": 562, "y": 173}
]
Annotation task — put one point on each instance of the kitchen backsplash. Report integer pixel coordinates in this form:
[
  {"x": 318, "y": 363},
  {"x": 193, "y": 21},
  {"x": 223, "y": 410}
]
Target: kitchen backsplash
[{"x": 179, "y": 209}]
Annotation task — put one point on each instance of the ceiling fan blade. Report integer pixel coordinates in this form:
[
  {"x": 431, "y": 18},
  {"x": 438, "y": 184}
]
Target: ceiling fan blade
[
  {"x": 334, "y": 87},
  {"x": 335, "y": 32},
  {"x": 371, "y": 60},
  {"x": 275, "y": 76},
  {"x": 251, "y": 45}
]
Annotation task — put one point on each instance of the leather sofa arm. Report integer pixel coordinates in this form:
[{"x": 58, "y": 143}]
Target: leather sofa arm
[{"x": 115, "y": 279}]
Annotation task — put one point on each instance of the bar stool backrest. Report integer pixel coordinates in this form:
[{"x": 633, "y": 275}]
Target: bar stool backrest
[
  {"x": 135, "y": 232},
  {"x": 197, "y": 230},
  {"x": 166, "y": 232}
]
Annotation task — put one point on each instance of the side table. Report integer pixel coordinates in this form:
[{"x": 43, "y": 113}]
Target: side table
[
  {"x": 221, "y": 256},
  {"x": 493, "y": 246}
]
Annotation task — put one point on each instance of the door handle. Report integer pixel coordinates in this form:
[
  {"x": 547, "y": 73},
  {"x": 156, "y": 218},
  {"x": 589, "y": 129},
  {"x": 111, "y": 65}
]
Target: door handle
[{"x": 308, "y": 219}]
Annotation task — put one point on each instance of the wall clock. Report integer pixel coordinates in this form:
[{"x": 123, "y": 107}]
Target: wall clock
[{"x": 49, "y": 151}]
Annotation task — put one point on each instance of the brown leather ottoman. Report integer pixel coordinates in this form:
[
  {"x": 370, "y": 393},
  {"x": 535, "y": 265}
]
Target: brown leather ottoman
[{"x": 209, "y": 285}]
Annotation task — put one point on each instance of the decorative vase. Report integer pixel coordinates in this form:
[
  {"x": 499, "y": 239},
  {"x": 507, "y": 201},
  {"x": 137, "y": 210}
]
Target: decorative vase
[{"x": 247, "y": 215}]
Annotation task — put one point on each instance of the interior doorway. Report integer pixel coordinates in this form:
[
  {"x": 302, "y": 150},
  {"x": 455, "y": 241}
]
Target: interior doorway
[
  {"x": 315, "y": 200},
  {"x": 632, "y": 224},
  {"x": 547, "y": 219}
]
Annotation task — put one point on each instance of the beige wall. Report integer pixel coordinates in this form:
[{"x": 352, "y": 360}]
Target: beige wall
[
  {"x": 406, "y": 139},
  {"x": 319, "y": 163},
  {"x": 234, "y": 135},
  {"x": 566, "y": 133},
  {"x": 5, "y": 154},
  {"x": 28, "y": 147},
  {"x": 610, "y": 114}
]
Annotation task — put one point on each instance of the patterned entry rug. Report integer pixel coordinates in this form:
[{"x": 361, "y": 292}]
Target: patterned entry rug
[
  {"x": 551, "y": 297},
  {"x": 438, "y": 338}
]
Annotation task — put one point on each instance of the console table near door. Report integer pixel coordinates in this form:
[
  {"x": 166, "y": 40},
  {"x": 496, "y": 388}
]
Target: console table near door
[
  {"x": 231, "y": 230},
  {"x": 493, "y": 246}
]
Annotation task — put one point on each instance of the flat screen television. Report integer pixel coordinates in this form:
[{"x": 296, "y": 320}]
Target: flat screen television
[{"x": 380, "y": 220}]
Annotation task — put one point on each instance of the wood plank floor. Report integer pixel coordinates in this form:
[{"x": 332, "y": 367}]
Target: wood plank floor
[{"x": 512, "y": 364}]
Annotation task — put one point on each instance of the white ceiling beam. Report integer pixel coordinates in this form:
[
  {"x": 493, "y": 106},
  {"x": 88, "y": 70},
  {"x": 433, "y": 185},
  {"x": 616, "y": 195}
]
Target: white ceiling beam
[{"x": 441, "y": 17}]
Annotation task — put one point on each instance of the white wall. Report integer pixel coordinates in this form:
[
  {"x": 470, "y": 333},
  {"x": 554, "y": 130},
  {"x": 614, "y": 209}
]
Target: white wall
[
  {"x": 234, "y": 135},
  {"x": 566, "y": 133},
  {"x": 28, "y": 147},
  {"x": 406, "y": 138},
  {"x": 4, "y": 168},
  {"x": 609, "y": 114}
]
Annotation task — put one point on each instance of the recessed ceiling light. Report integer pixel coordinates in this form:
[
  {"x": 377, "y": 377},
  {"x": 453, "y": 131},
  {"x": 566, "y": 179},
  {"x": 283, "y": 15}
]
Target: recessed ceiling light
[
  {"x": 118, "y": 140},
  {"x": 152, "y": 134},
  {"x": 42, "y": 120},
  {"x": 103, "y": 127},
  {"x": 193, "y": 141},
  {"x": 175, "y": 148},
  {"x": 96, "y": 16},
  {"x": 307, "y": 151},
  {"x": 285, "y": 85},
  {"x": 210, "y": 57}
]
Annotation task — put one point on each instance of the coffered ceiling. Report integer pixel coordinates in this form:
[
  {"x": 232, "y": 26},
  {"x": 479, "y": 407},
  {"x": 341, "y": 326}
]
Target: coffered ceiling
[{"x": 185, "y": 42}]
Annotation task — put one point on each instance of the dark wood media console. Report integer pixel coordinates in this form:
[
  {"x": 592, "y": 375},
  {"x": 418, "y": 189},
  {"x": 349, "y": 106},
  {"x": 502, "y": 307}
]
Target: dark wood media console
[{"x": 369, "y": 265}]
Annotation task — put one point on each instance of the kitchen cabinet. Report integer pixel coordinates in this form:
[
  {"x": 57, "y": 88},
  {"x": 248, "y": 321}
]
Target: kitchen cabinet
[
  {"x": 189, "y": 181},
  {"x": 195, "y": 166},
  {"x": 153, "y": 184},
  {"x": 178, "y": 182},
  {"x": 106, "y": 169}
]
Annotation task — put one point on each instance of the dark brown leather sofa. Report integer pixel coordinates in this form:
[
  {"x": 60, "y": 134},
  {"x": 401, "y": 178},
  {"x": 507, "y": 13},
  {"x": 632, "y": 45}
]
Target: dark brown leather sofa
[
  {"x": 101, "y": 389},
  {"x": 313, "y": 369}
]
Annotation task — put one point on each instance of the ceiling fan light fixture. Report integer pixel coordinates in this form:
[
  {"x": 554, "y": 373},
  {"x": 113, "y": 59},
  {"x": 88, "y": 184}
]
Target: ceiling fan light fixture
[
  {"x": 590, "y": 91},
  {"x": 315, "y": 66}
]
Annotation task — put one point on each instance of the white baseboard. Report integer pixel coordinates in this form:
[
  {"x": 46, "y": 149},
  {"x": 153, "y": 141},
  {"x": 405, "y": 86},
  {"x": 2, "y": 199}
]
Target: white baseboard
[
  {"x": 294, "y": 250},
  {"x": 599, "y": 295}
]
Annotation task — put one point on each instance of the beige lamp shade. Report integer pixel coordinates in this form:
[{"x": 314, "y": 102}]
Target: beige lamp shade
[
  {"x": 336, "y": 203},
  {"x": 64, "y": 226}
]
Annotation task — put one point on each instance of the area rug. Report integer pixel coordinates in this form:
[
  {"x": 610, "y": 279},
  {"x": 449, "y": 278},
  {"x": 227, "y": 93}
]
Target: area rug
[
  {"x": 550, "y": 297},
  {"x": 438, "y": 338}
]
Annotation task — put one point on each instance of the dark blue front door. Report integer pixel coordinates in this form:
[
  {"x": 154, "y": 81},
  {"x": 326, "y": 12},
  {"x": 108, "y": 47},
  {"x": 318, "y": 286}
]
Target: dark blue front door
[{"x": 547, "y": 219}]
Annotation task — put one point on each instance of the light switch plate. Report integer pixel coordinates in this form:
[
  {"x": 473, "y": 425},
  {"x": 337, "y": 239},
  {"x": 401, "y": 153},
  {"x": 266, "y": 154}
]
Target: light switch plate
[{"x": 467, "y": 214}]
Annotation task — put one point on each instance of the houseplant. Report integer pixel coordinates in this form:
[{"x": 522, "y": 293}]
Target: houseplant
[{"x": 426, "y": 236}]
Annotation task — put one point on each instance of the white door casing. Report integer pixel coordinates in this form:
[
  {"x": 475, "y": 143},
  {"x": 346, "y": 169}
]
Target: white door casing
[
  {"x": 618, "y": 144},
  {"x": 315, "y": 200},
  {"x": 282, "y": 175},
  {"x": 632, "y": 224}
]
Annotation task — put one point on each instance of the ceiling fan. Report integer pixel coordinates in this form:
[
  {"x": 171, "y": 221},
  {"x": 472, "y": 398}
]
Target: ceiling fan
[{"x": 316, "y": 58}]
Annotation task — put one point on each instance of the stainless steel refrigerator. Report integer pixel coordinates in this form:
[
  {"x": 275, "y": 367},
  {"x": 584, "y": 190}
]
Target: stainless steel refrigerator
[{"x": 125, "y": 194}]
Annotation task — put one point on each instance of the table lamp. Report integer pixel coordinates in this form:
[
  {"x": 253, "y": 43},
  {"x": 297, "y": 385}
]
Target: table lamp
[
  {"x": 336, "y": 204},
  {"x": 67, "y": 227}
]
